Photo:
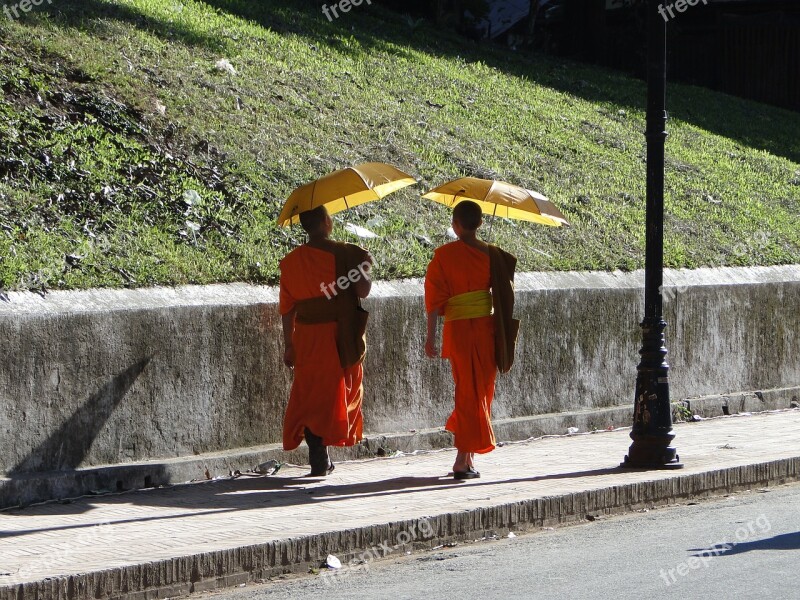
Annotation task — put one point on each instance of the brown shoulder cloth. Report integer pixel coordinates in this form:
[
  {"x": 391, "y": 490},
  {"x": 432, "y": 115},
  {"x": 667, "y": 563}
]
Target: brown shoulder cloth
[
  {"x": 506, "y": 328},
  {"x": 351, "y": 331}
]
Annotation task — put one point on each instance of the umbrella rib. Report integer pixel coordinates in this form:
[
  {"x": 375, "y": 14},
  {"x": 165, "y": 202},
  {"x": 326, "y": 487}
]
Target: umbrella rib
[
  {"x": 494, "y": 216},
  {"x": 313, "y": 194},
  {"x": 489, "y": 191},
  {"x": 360, "y": 176}
]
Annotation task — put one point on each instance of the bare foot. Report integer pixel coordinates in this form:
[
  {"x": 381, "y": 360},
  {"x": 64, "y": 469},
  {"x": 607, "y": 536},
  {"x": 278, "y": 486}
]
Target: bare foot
[{"x": 462, "y": 462}]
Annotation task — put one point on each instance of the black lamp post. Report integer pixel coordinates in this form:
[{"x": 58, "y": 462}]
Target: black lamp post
[{"x": 652, "y": 418}]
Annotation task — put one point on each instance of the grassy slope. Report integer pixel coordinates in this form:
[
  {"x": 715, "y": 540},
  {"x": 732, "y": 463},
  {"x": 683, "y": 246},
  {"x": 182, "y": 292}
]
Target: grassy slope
[{"x": 94, "y": 179}]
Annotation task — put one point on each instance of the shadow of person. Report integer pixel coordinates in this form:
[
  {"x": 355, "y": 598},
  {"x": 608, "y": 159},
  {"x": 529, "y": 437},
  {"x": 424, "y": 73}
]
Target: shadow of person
[
  {"x": 784, "y": 541},
  {"x": 254, "y": 493},
  {"x": 50, "y": 469},
  {"x": 226, "y": 496},
  {"x": 67, "y": 447}
]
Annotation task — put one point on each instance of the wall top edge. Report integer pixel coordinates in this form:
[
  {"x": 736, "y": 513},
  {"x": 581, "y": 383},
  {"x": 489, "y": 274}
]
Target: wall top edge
[{"x": 241, "y": 294}]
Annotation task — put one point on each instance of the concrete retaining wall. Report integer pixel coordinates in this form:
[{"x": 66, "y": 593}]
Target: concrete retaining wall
[{"x": 109, "y": 377}]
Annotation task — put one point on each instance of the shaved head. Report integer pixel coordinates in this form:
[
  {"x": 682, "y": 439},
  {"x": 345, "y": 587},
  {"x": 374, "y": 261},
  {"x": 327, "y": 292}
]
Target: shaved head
[
  {"x": 312, "y": 220},
  {"x": 468, "y": 215}
]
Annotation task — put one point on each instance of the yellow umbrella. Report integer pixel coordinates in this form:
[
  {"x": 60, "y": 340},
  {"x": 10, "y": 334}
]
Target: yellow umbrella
[
  {"x": 345, "y": 189},
  {"x": 499, "y": 199}
]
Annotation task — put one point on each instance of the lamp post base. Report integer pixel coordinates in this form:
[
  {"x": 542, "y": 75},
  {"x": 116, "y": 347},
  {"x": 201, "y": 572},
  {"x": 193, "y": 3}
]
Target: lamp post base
[
  {"x": 626, "y": 464},
  {"x": 652, "y": 452}
]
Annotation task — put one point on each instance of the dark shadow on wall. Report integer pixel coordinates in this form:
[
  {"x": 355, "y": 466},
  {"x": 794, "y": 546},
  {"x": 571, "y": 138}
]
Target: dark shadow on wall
[{"x": 67, "y": 447}]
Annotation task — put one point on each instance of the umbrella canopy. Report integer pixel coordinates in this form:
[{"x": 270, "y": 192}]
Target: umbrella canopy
[
  {"x": 345, "y": 189},
  {"x": 499, "y": 199}
]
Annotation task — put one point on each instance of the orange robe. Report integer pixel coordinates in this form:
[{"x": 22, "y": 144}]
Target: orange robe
[
  {"x": 324, "y": 397},
  {"x": 458, "y": 268}
]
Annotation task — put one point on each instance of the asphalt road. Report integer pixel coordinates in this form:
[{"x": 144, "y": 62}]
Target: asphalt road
[{"x": 742, "y": 546}]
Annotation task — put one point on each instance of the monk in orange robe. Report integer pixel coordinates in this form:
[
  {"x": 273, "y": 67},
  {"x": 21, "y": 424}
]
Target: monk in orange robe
[
  {"x": 457, "y": 285},
  {"x": 325, "y": 402}
]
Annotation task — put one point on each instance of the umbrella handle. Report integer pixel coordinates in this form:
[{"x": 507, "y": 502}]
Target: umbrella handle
[{"x": 491, "y": 225}]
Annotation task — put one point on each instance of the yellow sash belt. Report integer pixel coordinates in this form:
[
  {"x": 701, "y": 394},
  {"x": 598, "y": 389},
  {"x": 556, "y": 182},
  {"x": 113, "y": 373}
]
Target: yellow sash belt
[{"x": 471, "y": 305}]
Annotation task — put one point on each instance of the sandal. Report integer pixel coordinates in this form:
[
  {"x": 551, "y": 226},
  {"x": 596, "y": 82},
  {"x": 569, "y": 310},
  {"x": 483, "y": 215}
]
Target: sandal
[
  {"x": 470, "y": 473},
  {"x": 323, "y": 472}
]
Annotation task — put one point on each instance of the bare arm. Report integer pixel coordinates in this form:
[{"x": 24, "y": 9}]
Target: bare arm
[
  {"x": 288, "y": 338},
  {"x": 431, "y": 349}
]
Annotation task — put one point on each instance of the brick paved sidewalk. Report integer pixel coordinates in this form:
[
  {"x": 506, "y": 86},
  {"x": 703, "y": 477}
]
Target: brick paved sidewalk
[{"x": 103, "y": 533}]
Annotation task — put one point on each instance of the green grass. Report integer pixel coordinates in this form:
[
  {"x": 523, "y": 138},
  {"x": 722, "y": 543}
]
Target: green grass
[{"x": 99, "y": 188}]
